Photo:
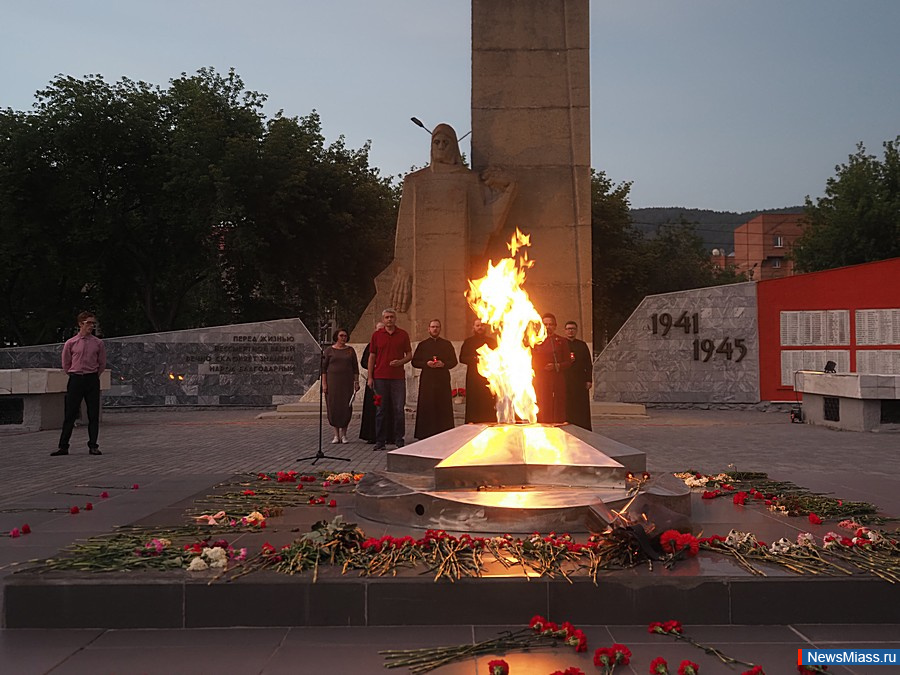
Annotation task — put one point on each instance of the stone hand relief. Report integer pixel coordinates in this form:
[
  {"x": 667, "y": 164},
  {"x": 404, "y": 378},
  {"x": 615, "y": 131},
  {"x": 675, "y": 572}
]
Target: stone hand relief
[
  {"x": 401, "y": 290},
  {"x": 448, "y": 214}
]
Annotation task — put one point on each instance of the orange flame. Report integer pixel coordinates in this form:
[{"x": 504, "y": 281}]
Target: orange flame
[{"x": 499, "y": 300}]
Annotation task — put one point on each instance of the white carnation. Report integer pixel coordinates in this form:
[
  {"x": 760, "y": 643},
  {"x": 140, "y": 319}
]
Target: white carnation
[{"x": 198, "y": 564}]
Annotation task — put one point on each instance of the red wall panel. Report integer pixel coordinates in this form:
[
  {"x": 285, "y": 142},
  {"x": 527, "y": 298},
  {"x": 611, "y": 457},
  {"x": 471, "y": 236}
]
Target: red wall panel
[{"x": 870, "y": 286}]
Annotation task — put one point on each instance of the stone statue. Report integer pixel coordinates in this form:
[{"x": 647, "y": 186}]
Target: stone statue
[{"x": 448, "y": 213}]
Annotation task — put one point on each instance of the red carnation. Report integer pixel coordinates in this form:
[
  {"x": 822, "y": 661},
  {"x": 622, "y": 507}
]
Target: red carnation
[
  {"x": 739, "y": 498},
  {"x": 88, "y": 507},
  {"x": 376, "y": 400},
  {"x": 621, "y": 654},
  {"x": 248, "y": 493},
  {"x": 135, "y": 486},
  {"x": 26, "y": 529},
  {"x": 13, "y": 533},
  {"x": 658, "y": 666},
  {"x": 602, "y": 657},
  {"x": 814, "y": 519},
  {"x": 104, "y": 495},
  {"x": 755, "y": 670},
  {"x": 688, "y": 668},
  {"x": 673, "y": 627},
  {"x": 498, "y": 667},
  {"x": 73, "y": 510},
  {"x": 332, "y": 503}
]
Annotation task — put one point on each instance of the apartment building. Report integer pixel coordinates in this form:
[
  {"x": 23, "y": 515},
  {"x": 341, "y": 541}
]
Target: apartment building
[{"x": 762, "y": 245}]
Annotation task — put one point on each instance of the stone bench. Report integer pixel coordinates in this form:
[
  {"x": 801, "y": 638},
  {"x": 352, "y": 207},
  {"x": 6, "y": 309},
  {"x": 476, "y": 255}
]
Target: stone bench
[
  {"x": 32, "y": 399},
  {"x": 850, "y": 401}
]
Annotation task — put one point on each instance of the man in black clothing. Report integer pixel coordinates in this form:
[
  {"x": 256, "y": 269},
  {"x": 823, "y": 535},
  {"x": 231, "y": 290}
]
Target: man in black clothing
[
  {"x": 435, "y": 356},
  {"x": 579, "y": 379},
  {"x": 480, "y": 404}
]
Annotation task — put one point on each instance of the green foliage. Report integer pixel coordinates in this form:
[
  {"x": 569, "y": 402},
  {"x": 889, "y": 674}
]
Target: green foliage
[
  {"x": 858, "y": 219},
  {"x": 628, "y": 265},
  {"x": 179, "y": 207}
]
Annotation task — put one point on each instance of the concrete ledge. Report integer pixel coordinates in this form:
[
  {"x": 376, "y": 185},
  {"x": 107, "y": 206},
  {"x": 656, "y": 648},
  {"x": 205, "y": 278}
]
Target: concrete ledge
[
  {"x": 848, "y": 401},
  {"x": 43, "y": 395},
  {"x": 181, "y": 600},
  {"x": 613, "y": 409}
]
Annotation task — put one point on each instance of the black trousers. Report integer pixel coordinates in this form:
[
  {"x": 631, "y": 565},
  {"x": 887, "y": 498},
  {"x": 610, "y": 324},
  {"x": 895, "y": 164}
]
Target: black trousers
[{"x": 87, "y": 388}]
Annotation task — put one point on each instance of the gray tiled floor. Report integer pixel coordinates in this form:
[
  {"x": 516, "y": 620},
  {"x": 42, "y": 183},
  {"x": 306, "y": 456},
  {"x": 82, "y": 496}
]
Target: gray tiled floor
[{"x": 173, "y": 454}]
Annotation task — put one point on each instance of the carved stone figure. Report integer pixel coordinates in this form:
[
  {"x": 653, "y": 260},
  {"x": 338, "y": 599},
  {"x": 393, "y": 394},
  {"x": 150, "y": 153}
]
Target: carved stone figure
[{"x": 448, "y": 213}]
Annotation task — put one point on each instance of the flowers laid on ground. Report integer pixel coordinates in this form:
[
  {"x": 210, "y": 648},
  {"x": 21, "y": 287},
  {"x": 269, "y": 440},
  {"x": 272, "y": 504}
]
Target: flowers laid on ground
[
  {"x": 607, "y": 658},
  {"x": 658, "y": 666},
  {"x": 779, "y": 496},
  {"x": 498, "y": 667},
  {"x": 247, "y": 504},
  {"x": 676, "y": 630},
  {"x": 868, "y": 551},
  {"x": 540, "y": 633},
  {"x": 17, "y": 532},
  {"x": 215, "y": 556}
]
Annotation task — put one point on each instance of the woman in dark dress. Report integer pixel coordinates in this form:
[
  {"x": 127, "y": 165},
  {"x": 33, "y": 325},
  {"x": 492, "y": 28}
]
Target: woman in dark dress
[{"x": 340, "y": 381}]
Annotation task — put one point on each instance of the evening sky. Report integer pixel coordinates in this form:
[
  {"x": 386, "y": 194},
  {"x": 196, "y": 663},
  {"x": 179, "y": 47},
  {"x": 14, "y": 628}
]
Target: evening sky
[{"x": 713, "y": 104}]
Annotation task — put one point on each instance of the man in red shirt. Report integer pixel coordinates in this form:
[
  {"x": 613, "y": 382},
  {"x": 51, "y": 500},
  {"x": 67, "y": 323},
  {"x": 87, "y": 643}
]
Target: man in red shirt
[
  {"x": 84, "y": 359},
  {"x": 389, "y": 351}
]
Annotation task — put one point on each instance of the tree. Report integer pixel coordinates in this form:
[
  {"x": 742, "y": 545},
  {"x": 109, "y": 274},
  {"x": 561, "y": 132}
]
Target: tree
[
  {"x": 858, "y": 219},
  {"x": 617, "y": 257},
  {"x": 628, "y": 265},
  {"x": 180, "y": 207},
  {"x": 321, "y": 227}
]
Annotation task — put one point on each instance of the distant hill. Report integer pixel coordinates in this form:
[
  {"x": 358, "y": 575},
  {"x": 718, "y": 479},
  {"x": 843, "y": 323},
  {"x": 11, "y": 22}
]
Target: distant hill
[{"x": 716, "y": 227}]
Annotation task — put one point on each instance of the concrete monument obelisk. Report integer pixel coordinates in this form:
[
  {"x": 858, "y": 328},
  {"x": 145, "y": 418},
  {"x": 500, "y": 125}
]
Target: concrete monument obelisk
[
  {"x": 531, "y": 169},
  {"x": 531, "y": 115}
]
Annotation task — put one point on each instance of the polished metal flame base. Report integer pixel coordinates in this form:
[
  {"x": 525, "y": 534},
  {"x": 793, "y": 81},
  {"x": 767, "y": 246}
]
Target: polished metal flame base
[{"x": 521, "y": 478}]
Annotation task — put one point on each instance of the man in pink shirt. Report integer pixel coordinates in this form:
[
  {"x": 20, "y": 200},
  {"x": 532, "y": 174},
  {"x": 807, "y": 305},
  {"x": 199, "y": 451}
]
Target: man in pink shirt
[{"x": 84, "y": 359}]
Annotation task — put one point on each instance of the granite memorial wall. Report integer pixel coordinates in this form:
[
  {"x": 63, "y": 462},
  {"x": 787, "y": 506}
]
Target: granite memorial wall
[
  {"x": 696, "y": 346},
  {"x": 252, "y": 364}
]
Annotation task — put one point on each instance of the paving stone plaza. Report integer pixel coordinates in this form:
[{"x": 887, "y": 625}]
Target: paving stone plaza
[{"x": 175, "y": 454}]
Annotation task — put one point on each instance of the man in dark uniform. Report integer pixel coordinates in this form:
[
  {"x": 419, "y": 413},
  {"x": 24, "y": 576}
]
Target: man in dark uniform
[
  {"x": 579, "y": 379},
  {"x": 479, "y": 399},
  {"x": 549, "y": 359},
  {"x": 435, "y": 356}
]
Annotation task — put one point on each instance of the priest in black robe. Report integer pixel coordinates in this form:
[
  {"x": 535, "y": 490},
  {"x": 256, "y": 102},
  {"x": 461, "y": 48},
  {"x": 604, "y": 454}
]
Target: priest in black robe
[
  {"x": 435, "y": 356},
  {"x": 480, "y": 403},
  {"x": 579, "y": 379},
  {"x": 550, "y": 359}
]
